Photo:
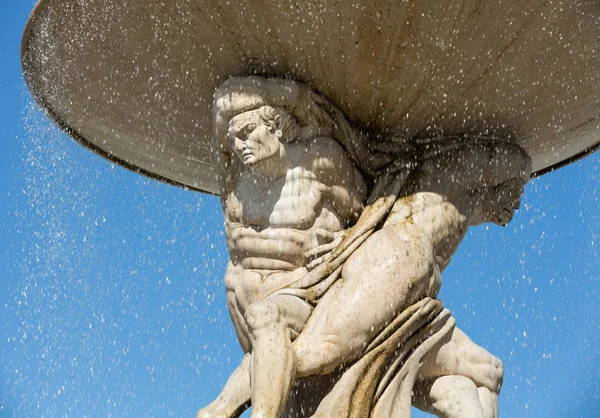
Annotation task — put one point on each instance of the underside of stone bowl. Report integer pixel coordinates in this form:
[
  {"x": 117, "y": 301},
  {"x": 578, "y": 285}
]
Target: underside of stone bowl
[{"x": 133, "y": 80}]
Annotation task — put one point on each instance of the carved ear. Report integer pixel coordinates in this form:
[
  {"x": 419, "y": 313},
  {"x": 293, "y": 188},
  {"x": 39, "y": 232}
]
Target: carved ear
[{"x": 276, "y": 128}]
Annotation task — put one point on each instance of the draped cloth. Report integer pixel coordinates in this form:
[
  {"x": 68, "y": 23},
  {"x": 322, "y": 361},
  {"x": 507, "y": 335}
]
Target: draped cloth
[{"x": 380, "y": 383}]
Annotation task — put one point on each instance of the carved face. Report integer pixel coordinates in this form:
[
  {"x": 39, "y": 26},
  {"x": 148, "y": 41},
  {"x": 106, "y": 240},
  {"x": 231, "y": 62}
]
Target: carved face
[
  {"x": 253, "y": 141},
  {"x": 497, "y": 204}
]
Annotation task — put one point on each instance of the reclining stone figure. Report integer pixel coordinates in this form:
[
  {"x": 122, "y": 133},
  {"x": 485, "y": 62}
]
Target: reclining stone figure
[{"x": 332, "y": 236}]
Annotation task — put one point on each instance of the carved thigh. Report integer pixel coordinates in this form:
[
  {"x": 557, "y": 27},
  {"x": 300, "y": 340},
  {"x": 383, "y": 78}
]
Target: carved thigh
[
  {"x": 241, "y": 328},
  {"x": 389, "y": 272}
]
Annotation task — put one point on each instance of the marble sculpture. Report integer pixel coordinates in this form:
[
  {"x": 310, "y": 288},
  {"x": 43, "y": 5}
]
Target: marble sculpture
[{"x": 337, "y": 238}]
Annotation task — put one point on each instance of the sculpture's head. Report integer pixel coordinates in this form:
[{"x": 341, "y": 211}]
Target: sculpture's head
[
  {"x": 256, "y": 135},
  {"x": 497, "y": 203},
  {"x": 505, "y": 175}
]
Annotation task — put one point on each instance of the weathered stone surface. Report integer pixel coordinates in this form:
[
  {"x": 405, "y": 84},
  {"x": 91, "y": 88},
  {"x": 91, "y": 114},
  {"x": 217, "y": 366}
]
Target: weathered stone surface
[
  {"x": 336, "y": 253},
  {"x": 134, "y": 80}
]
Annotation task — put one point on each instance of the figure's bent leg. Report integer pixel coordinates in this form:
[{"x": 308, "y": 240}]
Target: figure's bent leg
[
  {"x": 235, "y": 396},
  {"x": 392, "y": 270},
  {"x": 462, "y": 357},
  {"x": 273, "y": 368}
]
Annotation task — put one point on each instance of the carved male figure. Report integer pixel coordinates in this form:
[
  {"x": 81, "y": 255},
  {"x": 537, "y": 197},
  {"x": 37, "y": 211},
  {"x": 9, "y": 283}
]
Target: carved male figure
[
  {"x": 287, "y": 200},
  {"x": 282, "y": 201}
]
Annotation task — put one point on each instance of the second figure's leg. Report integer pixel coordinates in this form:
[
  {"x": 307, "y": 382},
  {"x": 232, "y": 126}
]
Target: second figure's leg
[{"x": 448, "y": 397}]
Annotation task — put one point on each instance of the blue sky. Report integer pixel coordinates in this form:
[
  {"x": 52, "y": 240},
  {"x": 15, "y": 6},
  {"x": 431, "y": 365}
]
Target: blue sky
[{"x": 112, "y": 301}]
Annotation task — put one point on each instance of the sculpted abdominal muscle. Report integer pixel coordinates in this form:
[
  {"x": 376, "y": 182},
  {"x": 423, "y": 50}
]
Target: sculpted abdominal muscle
[{"x": 273, "y": 243}]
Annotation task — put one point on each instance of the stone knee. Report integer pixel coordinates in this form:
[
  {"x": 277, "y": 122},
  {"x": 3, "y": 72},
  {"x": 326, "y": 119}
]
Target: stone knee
[
  {"x": 263, "y": 315},
  {"x": 319, "y": 355},
  {"x": 485, "y": 369},
  {"x": 461, "y": 356},
  {"x": 448, "y": 397},
  {"x": 494, "y": 374}
]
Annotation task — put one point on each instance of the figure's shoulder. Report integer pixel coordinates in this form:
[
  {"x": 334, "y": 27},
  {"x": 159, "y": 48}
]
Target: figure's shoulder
[
  {"x": 327, "y": 160},
  {"x": 323, "y": 153}
]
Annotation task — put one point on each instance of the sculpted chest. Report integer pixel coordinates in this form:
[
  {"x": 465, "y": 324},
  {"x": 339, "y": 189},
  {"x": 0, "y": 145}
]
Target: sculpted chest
[{"x": 293, "y": 201}]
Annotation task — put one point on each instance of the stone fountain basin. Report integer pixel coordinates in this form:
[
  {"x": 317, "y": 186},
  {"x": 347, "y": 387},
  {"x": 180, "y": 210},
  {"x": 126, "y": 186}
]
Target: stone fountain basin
[{"x": 133, "y": 80}]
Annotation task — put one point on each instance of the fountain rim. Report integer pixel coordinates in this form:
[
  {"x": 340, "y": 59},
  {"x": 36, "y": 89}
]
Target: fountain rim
[
  {"x": 75, "y": 135},
  {"x": 63, "y": 126}
]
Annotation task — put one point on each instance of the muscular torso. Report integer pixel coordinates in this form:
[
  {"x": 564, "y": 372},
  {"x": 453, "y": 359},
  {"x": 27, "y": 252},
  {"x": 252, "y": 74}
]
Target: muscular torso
[
  {"x": 276, "y": 220},
  {"x": 272, "y": 223}
]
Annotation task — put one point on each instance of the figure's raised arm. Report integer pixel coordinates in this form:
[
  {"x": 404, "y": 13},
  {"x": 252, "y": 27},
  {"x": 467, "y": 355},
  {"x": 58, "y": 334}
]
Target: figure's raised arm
[{"x": 240, "y": 94}]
